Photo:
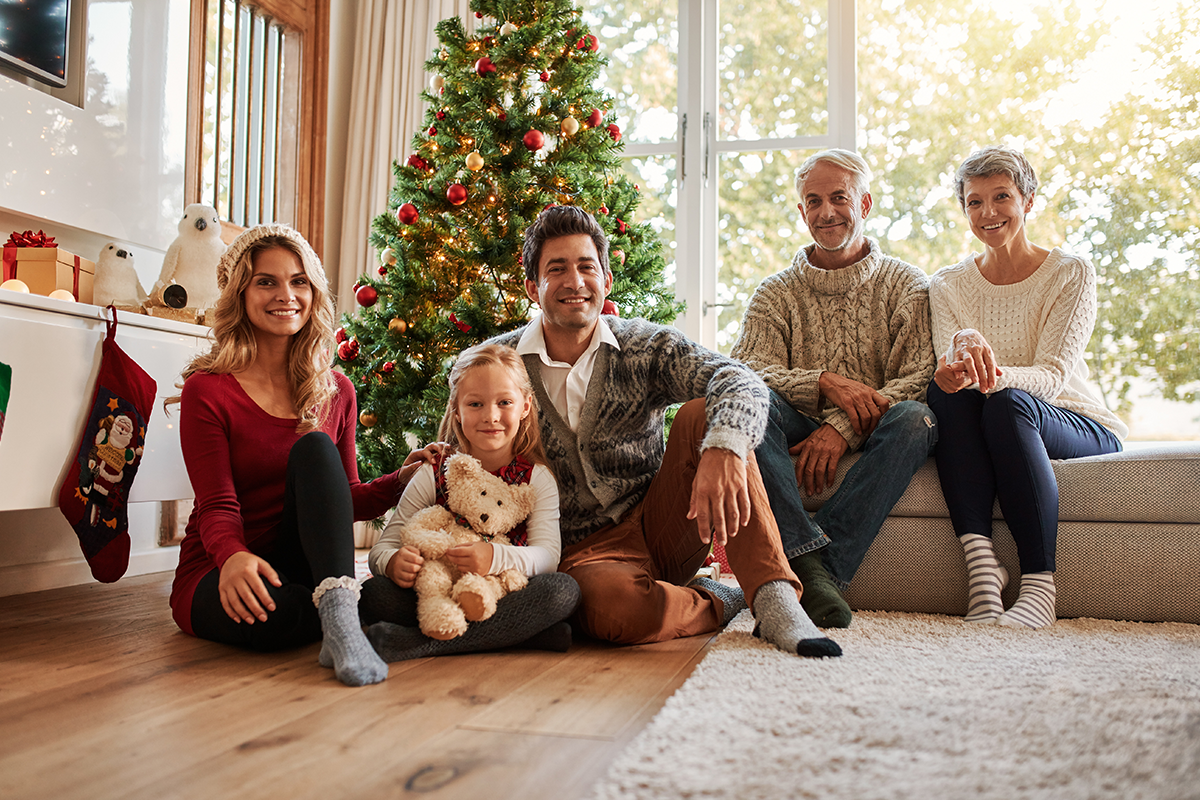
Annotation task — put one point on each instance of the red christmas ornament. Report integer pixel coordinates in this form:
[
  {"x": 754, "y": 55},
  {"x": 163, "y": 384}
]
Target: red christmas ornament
[
  {"x": 458, "y": 323},
  {"x": 348, "y": 350},
  {"x": 484, "y": 66},
  {"x": 456, "y": 193},
  {"x": 407, "y": 214},
  {"x": 620, "y": 255},
  {"x": 534, "y": 140},
  {"x": 432, "y": 131},
  {"x": 478, "y": 15},
  {"x": 382, "y": 271},
  {"x": 545, "y": 77},
  {"x": 416, "y": 161},
  {"x": 502, "y": 116},
  {"x": 340, "y": 336},
  {"x": 614, "y": 132},
  {"x": 610, "y": 308},
  {"x": 366, "y": 296},
  {"x": 441, "y": 115},
  {"x": 589, "y": 43},
  {"x": 594, "y": 119},
  {"x": 603, "y": 209},
  {"x": 388, "y": 367}
]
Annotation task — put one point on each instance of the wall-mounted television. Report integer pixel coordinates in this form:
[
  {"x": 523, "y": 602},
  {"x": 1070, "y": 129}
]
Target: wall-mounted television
[{"x": 34, "y": 38}]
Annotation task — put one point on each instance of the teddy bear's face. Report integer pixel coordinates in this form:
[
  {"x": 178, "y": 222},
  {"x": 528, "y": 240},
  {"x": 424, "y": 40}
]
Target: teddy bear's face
[{"x": 488, "y": 504}]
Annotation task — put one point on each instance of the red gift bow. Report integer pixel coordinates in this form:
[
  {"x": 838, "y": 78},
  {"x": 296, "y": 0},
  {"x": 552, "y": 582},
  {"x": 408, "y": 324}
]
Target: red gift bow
[
  {"x": 30, "y": 239},
  {"x": 462, "y": 326}
]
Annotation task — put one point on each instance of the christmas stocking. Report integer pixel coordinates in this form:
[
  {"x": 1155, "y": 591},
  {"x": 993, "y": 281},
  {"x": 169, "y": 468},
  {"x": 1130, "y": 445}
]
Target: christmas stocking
[{"x": 94, "y": 495}]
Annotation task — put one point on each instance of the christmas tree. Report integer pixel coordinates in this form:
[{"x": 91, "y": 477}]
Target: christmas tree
[{"x": 514, "y": 123}]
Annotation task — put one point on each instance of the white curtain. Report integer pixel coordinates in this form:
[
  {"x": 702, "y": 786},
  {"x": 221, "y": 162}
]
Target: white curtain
[{"x": 394, "y": 40}]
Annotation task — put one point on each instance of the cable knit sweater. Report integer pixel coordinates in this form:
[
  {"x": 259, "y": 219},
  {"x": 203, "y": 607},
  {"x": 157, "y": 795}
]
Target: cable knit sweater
[
  {"x": 1038, "y": 328},
  {"x": 868, "y": 322},
  {"x": 606, "y": 468}
]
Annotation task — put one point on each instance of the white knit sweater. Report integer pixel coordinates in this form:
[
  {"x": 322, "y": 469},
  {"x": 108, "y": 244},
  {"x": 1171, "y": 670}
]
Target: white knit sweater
[{"x": 1038, "y": 328}]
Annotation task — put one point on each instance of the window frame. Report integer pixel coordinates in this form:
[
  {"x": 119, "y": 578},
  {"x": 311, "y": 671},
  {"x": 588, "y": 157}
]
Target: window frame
[{"x": 310, "y": 20}]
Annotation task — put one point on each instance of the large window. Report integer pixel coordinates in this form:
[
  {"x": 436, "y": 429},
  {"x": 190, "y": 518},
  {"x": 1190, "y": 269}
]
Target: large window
[
  {"x": 722, "y": 100},
  {"x": 258, "y": 93}
]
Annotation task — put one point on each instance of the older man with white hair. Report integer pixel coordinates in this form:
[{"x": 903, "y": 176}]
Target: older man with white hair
[{"x": 842, "y": 338}]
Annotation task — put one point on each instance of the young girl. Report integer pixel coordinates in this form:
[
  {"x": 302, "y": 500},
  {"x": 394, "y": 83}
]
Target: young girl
[
  {"x": 267, "y": 433},
  {"x": 491, "y": 416}
]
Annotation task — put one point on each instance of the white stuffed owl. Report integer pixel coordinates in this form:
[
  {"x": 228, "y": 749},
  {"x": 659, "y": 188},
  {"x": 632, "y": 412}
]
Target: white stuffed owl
[
  {"x": 116, "y": 279},
  {"x": 192, "y": 258}
]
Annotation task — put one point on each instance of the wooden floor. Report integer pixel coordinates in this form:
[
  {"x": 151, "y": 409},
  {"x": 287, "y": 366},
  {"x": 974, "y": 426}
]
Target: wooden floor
[{"x": 101, "y": 696}]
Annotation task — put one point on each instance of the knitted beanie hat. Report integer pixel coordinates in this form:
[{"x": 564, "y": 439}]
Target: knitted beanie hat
[{"x": 312, "y": 264}]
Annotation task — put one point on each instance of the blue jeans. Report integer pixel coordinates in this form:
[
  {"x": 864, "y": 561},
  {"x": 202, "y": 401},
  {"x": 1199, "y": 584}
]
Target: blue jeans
[
  {"x": 998, "y": 447},
  {"x": 850, "y": 520}
]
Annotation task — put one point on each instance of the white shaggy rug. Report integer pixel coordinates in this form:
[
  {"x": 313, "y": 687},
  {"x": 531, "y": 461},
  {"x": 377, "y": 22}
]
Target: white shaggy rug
[{"x": 924, "y": 706}]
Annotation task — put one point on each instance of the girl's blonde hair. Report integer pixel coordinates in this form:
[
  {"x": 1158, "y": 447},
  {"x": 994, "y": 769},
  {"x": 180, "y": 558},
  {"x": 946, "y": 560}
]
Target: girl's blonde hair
[
  {"x": 234, "y": 346},
  {"x": 528, "y": 441}
]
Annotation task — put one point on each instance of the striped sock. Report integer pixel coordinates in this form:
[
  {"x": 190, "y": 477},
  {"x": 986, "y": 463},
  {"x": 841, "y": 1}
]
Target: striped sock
[
  {"x": 1035, "y": 604},
  {"x": 985, "y": 578}
]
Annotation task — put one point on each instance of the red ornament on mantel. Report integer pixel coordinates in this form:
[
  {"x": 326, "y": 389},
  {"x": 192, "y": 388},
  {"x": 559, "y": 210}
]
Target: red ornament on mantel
[
  {"x": 456, "y": 193},
  {"x": 534, "y": 140},
  {"x": 407, "y": 213},
  {"x": 366, "y": 296}
]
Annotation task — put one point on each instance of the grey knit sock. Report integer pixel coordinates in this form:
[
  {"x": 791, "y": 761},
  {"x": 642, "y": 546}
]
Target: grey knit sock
[
  {"x": 343, "y": 644},
  {"x": 731, "y": 597},
  {"x": 530, "y": 612},
  {"x": 783, "y": 623},
  {"x": 1035, "y": 603},
  {"x": 985, "y": 578}
]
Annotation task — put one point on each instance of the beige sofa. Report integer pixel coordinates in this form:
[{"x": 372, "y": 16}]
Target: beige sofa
[{"x": 1128, "y": 541}]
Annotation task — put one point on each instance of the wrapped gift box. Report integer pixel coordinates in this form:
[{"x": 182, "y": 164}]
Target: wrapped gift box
[{"x": 44, "y": 269}]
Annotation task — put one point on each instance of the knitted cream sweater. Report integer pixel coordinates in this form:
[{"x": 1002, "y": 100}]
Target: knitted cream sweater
[
  {"x": 868, "y": 322},
  {"x": 1038, "y": 328}
]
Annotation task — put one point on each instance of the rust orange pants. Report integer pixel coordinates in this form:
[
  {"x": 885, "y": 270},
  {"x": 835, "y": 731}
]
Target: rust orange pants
[{"x": 630, "y": 572}]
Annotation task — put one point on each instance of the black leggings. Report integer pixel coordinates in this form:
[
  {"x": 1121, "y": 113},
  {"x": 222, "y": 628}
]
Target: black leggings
[{"x": 315, "y": 540}]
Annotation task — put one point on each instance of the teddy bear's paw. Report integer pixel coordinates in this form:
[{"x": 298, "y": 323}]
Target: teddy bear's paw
[
  {"x": 474, "y": 606},
  {"x": 441, "y": 620},
  {"x": 513, "y": 581},
  {"x": 477, "y": 595}
]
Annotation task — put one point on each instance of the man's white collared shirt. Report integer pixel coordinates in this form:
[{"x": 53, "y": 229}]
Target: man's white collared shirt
[{"x": 566, "y": 384}]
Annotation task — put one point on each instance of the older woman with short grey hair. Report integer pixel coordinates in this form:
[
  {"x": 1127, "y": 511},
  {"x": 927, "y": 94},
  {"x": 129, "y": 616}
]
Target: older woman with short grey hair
[{"x": 1011, "y": 325}]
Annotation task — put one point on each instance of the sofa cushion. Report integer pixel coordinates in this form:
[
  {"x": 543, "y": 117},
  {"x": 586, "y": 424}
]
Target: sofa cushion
[{"x": 1148, "y": 482}]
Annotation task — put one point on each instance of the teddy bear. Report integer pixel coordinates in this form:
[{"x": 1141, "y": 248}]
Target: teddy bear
[{"x": 482, "y": 507}]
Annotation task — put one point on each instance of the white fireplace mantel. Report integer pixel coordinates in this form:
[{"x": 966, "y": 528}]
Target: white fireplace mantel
[{"x": 54, "y": 349}]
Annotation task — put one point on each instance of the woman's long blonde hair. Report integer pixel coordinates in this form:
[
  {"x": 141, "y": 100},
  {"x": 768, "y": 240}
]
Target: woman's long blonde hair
[
  {"x": 234, "y": 346},
  {"x": 528, "y": 441}
]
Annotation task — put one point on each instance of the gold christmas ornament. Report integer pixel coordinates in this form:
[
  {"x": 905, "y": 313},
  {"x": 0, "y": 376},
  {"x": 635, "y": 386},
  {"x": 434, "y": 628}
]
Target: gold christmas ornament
[
  {"x": 398, "y": 326},
  {"x": 368, "y": 419},
  {"x": 474, "y": 161},
  {"x": 569, "y": 126}
]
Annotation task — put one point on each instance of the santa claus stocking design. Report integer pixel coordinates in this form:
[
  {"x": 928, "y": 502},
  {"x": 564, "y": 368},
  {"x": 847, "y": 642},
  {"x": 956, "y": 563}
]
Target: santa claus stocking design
[{"x": 95, "y": 493}]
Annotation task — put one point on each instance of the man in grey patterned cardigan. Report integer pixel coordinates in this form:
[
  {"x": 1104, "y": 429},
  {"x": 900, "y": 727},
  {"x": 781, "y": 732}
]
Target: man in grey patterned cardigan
[
  {"x": 637, "y": 517},
  {"x": 843, "y": 339}
]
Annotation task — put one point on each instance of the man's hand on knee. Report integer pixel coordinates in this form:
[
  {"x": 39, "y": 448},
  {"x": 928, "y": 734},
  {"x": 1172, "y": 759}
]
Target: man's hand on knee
[
  {"x": 817, "y": 458},
  {"x": 720, "y": 495},
  {"x": 863, "y": 405}
]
